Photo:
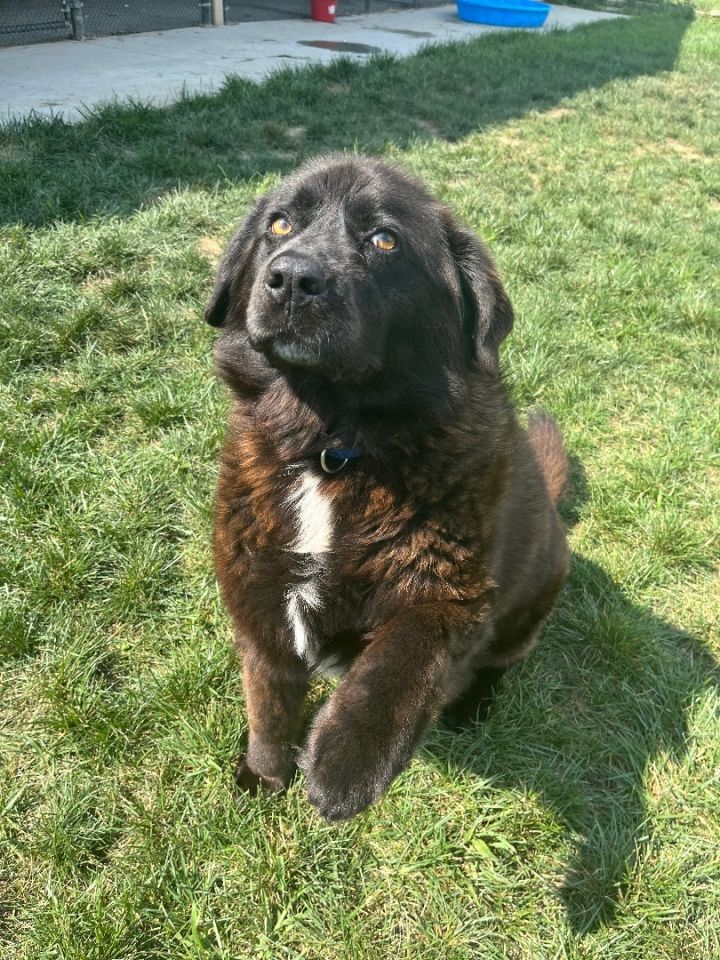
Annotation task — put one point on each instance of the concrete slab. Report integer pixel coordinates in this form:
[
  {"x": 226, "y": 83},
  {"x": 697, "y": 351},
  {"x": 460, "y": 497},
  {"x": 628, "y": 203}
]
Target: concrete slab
[{"x": 67, "y": 78}]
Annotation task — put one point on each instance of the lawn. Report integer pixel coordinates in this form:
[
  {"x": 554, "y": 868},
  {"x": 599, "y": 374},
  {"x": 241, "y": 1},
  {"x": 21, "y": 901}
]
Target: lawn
[{"x": 582, "y": 819}]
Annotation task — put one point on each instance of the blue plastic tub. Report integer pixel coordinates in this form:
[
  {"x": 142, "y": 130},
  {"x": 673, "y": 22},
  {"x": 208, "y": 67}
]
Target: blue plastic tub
[{"x": 504, "y": 13}]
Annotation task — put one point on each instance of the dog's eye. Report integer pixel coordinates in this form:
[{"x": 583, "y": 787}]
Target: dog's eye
[
  {"x": 281, "y": 227},
  {"x": 383, "y": 240}
]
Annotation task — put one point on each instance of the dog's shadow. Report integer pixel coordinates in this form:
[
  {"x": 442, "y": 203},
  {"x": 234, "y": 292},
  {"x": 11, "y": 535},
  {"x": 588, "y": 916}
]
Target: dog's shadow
[{"x": 607, "y": 693}]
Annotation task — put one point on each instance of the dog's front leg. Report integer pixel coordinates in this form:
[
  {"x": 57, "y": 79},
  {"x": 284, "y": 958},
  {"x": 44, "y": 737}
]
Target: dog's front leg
[
  {"x": 275, "y": 689},
  {"x": 367, "y": 731}
]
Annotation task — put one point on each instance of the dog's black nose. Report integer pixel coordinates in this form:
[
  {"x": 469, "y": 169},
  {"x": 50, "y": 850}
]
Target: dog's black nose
[{"x": 295, "y": 277}]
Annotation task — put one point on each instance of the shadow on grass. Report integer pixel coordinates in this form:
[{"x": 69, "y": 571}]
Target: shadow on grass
[
  {"x": 608, "y": 693},
  {"x": 120, "y": 158}
]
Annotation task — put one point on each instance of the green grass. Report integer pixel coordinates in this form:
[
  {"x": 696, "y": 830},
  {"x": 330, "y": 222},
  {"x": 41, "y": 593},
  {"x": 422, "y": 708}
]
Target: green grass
[{"x": 582, "y": 819}]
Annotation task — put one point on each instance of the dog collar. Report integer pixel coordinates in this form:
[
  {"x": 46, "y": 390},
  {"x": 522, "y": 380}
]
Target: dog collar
[{"x": 333, "y": 459}]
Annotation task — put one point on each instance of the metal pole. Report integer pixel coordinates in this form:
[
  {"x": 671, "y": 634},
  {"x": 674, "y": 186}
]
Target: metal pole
[
  {"x": 77, "y": 19},
  {"x": 218, "y": 12}
]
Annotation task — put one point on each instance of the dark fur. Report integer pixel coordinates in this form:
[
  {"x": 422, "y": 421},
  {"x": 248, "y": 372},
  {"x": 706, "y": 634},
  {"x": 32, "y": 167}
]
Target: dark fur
[{"x": 447, "y": 550}]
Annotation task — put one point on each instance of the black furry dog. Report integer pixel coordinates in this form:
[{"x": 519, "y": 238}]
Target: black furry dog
[{"x": 380, "y": 510}]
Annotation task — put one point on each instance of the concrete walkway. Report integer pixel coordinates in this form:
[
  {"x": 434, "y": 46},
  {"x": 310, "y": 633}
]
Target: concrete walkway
[{"x": 67, "y": 77}]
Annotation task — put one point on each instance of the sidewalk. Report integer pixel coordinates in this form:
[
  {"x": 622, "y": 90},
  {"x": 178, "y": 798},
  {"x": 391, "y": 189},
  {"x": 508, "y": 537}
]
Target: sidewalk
[{"x": 67, "y": 77}]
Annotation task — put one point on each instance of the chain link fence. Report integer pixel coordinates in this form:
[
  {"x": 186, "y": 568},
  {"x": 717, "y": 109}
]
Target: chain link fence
[
  {"x": 243, "y": 11},
  {"x": 30, "y": 21},
  {"x": 33, "y": 21}
]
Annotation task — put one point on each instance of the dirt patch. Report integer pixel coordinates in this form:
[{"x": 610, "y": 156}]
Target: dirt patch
[
  {"x": 511, "y": 137},
  {"x": 557, "y": 113},
  {"x": 429, "y": 128},
  {"x": 680, "y": 149},
  {"x": 210, "y": 248},
  {"x": 690, "y": 153},
  {"x": 95, "y": 282}
]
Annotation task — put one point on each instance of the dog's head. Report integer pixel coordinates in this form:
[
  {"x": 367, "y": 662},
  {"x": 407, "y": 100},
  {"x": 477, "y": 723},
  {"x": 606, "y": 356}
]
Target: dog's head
[{"x": 351, "y": 273}]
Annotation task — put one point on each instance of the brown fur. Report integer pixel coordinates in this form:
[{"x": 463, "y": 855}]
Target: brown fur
[{"x": 447, "y": 551}]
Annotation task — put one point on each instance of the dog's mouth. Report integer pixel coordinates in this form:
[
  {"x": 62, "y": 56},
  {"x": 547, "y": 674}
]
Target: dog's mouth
[
  {"x": 288, "y": 352},
  {"x": 295, "y": 354}
]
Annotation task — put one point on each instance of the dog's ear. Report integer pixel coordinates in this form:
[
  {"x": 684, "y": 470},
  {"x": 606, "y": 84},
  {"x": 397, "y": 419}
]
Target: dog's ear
[
  {"x": 229, "y": 283},
  {"x": 487, "y": 313}
]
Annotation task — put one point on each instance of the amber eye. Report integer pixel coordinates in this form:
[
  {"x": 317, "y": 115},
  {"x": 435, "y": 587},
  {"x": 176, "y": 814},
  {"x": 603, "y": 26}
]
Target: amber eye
[
  {"x": 281, "y": 227},
  {"x": 383, "y": 240}
]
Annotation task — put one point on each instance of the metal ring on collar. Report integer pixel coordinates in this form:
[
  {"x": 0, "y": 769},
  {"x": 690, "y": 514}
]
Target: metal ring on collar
[{"x": 329, "y": 469}]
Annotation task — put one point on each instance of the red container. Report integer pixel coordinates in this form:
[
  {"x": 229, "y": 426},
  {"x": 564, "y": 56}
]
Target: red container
[{"x": 323, "y": 10}]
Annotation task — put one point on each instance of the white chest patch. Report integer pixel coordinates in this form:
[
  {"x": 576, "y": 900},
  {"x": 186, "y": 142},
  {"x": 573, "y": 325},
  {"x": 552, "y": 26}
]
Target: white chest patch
[
  {"x": 301, "y": 600},
  {"x": 313, "y": 513},
  {"x": 314, "y": 522}
]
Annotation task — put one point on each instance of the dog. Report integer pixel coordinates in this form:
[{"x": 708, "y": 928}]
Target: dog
[{"x": 380, "y": 511}]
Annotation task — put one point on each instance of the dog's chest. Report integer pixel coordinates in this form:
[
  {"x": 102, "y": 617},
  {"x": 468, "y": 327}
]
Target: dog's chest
[{"x": 314, "y": 530}]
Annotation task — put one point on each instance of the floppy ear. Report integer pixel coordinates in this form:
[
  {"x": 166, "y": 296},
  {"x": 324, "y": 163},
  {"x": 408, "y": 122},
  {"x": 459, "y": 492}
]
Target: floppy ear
[
  {"x": 487, "y": 311},
  {"x": 227, "y": 293}
]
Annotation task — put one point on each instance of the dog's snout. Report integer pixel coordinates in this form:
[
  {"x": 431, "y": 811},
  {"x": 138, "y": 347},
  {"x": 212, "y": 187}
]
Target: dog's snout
[{"x": 297, "y": 278}]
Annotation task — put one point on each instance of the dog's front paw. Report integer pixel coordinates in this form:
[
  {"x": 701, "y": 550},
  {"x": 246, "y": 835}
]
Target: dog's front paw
[
  {"x": 346, "y": 769},
  {"x": 249, "y": 781}
]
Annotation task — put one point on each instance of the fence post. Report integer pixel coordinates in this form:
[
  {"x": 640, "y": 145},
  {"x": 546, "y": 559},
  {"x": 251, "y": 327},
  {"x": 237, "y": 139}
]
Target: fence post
[
  {"x": 77, "y": 18},
  {"x": 218, "y": 13}
]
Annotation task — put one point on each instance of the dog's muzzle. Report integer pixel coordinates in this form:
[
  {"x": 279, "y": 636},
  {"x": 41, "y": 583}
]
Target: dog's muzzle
[{"x": 293, "y": 280}]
